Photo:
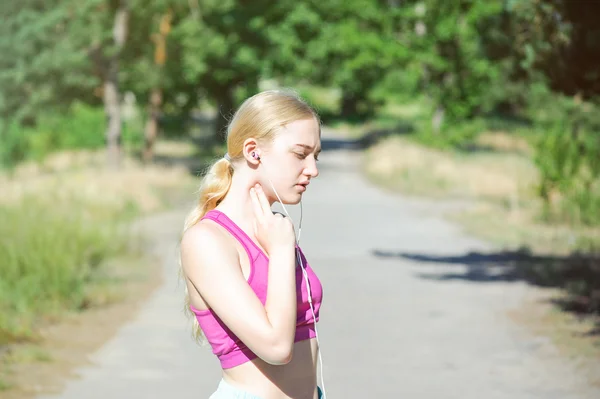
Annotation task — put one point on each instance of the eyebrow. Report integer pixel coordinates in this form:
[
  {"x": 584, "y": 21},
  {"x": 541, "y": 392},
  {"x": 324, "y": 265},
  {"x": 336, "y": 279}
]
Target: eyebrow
[{"x": 308, "y": 147}]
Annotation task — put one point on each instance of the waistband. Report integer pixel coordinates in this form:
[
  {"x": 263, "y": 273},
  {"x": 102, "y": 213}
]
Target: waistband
[{"x": 227, "y": 391}]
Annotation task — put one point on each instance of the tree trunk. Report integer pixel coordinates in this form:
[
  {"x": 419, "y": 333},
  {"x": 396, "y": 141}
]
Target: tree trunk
[
  {"x": 438, "y": 119},
  {"x": 113, "y": 122},
  {"x": 111, "y": 88},
  {"x": 151, "y": 128},
  {"x": 349, "y": 106},
  {"x": 224, "y": 113},
  {"x": 156, "y": 96}
]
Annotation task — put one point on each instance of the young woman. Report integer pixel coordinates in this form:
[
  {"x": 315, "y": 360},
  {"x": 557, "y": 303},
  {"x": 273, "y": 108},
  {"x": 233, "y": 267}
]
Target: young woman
[{"x": 246, "y": 277}]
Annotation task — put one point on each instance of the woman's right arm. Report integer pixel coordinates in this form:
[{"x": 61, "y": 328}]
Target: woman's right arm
[{"x": 212, "y": 265}]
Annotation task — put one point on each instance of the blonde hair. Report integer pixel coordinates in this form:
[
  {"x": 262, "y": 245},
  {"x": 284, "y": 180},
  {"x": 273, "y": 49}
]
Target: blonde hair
[{"x": 261, "y": 117}]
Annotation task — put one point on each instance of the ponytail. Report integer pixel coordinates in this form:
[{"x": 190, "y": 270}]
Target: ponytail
[{"x": 213, "y": 189}]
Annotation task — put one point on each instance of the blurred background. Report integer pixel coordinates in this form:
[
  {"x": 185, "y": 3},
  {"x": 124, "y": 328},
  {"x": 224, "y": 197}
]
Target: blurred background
[{"x": 109, "y": 110}]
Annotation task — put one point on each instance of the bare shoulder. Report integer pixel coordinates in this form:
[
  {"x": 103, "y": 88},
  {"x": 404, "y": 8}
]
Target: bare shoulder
[
  {"x": 203, "y": 234},
  {"x": 204, "y": 246}
]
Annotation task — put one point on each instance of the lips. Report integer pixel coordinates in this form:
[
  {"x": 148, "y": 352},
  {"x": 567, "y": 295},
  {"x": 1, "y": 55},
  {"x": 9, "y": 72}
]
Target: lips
[{"x": 302, "y": 186}]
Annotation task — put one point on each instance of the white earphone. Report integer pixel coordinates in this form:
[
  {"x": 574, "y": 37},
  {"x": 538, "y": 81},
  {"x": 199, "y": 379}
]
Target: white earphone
[{"x": 257, "y": 157}]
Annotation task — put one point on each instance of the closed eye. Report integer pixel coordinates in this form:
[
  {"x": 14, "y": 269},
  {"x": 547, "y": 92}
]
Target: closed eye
[{"x": 302, "y": 156}]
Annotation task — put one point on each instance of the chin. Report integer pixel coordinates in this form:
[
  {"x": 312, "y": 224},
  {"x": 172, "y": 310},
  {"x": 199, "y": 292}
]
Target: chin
[
  {"x": 292, "y": 199},
  {"x": 295, "y": 201}
]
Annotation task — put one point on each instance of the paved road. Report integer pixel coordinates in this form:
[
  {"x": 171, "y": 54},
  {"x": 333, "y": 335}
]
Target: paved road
[{"x": 395, "y": 323}]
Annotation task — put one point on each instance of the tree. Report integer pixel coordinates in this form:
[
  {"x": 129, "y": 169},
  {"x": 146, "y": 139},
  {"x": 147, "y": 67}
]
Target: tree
[
  {"x": 446, "y": 43},
  {"x": 222, "y": 49},
  {"x": 58, "y": 52},
  {"x": 39, "y": 42},
  {"x": 112, "y": 98},
  {"x": 153, "y": 67},
  {"x": 345, "y": 44}
]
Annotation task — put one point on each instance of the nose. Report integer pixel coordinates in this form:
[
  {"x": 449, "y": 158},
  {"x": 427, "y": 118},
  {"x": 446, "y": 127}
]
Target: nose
[{"x": 312, "y": 170}]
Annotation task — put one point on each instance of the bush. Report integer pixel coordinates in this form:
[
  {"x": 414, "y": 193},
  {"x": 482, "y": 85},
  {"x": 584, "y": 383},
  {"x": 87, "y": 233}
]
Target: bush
[
  {"x": 82, "y": 127},
  {"x": 13, "y": 144},
  {"x": 457, "y": 135},
  {"x": 566, "y": 153}
]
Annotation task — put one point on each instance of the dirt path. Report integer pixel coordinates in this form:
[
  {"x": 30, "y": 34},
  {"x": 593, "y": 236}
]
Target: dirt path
[{"x": 396, "y": 321}]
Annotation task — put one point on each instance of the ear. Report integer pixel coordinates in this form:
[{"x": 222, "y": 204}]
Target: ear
[{"x": 250, "y": 147}]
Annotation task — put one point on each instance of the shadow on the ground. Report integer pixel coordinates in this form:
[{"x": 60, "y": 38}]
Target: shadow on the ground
[
  {"x": 196, "y": 130},
  {"x": 200, "y": 133},
  {"x": 366, "y": 140},
  {"x": 578, "y": 275},
  {"x": 196, "y": 163}
]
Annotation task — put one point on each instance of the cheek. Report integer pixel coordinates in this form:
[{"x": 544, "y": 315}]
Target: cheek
[
  {"x": 292, "y": 165},
  {"x": 289, "y": 172}
]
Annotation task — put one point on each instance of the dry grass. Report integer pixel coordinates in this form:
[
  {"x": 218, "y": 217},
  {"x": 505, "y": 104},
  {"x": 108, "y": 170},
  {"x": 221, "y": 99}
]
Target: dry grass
[
  {"x": 504, "y": 142},
  {"x": 415, "y": 169},
  {"x": 499, "y": 186},
  {"x": 83, "y": 174}
]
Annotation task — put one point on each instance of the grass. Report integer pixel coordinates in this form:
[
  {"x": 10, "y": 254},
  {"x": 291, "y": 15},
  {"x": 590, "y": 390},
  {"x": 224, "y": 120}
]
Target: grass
[
  {"x": 62, "y": 220},
  {"x": 4, "y": 385},
  {"x": 52, "y": 249},
  {"x": 66, "y": 243},
  {"x": 415, "y": 169},
  {"x": 28, "y": 353}
]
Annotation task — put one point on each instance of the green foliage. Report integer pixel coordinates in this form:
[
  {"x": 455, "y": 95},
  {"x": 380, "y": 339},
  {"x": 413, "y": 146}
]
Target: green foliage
[
  {"x": 54, "y": 55},
  {"x": 453, "y": 136},
  {"x": 324, "y": 100},
  {"x": 45, "y": 63},
  {"x": 51, "y": 250},
  {"x": 82, "y": 127},
  {"x": 353, "y": 41},
  {"x": 445, "y": 39},
  {"x": 143, "y": 70},
  {"x": 13, "y": 144},
  {"x": 228, "y": 59},
  {"x": 567, "y": 157}
]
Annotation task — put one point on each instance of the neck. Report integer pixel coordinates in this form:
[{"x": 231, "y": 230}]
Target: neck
[{"x": 237, "y": 203}]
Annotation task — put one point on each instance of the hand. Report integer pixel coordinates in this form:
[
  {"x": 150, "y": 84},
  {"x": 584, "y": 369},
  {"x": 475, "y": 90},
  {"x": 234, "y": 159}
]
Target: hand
[{"x": 272, "y": 231}]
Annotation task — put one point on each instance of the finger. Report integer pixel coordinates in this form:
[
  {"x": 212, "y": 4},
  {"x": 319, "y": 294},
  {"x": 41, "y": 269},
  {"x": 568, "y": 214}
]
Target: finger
[
  {"x": 264, "y": 202},
  {"x": 258, "y": 211}
]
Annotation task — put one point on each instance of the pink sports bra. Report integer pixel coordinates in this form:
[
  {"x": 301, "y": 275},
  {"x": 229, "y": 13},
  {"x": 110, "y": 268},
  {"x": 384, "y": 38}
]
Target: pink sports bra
[{"x": 228, "y": 348}]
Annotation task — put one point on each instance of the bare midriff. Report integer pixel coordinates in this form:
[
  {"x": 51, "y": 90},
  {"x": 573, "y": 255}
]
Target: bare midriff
[{"x": 296, "y": 379}]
